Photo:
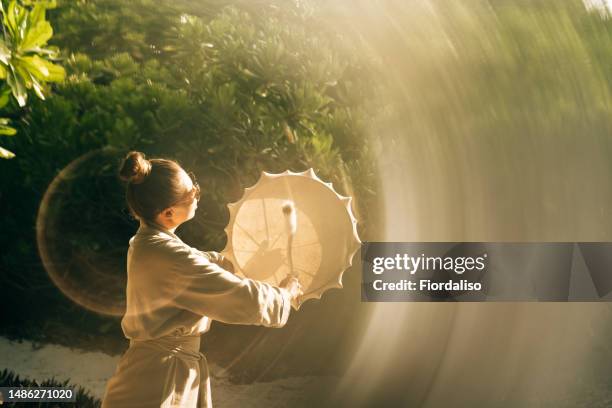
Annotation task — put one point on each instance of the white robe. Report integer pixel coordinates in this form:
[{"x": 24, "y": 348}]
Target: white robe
[{"x": 173, "y": 293}]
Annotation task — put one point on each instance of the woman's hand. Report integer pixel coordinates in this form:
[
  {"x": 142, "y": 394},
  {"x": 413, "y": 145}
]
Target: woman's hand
[
  {"x": 226, "y": 264},
  {"x": 292, "y": 284}
]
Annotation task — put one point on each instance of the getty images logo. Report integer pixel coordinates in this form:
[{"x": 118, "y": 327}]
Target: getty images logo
[{"x": 412, "y": 264}]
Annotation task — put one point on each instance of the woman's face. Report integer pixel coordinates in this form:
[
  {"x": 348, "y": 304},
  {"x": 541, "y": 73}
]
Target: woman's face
[{"x": 185, "y": 209}]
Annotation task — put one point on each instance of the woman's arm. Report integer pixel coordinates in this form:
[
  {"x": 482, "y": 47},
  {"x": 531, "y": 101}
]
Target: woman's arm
[
  {"x": 220, "y": 260},
  {"x": 205, "y": 288}
]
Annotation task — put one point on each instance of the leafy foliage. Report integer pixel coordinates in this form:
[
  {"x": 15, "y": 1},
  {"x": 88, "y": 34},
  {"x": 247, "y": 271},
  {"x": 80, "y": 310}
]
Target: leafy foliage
[
  {"x": 227, "y": 92},
  {"x": 25, "y": 63},
  {"x": 231, "y": 96}
]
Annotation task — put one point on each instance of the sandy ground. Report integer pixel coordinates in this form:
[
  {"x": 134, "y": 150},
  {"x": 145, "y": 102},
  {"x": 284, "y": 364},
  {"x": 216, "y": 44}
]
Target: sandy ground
[{"x": 91, "y": 370}]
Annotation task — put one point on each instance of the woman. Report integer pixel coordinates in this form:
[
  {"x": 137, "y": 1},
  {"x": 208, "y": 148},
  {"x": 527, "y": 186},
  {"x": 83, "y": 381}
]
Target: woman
[{"x": 173, "y": 293}]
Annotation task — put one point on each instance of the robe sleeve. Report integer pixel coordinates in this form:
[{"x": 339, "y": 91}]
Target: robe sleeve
[
  {"x": 205, "y": 288},
  {"x": 219, "y": 259}
]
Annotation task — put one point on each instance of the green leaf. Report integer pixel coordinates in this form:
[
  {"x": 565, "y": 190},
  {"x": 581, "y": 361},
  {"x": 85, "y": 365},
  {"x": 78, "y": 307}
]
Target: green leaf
[
  {"x": 5, "y": 97},
  {"x": 36, "y": 36},
  {"x": 5, "y": 129},
  {"x": 22, "y": 21},
  {"x": 37, "y": 14},
  {"x": 6, "y": 154},
  {"x": 9, "y": 17},
  {"x": 43, "y": 70},
  {"x": 5, "y": 53},
  {"x": 37, "y": 86},
  {"x": 18, "y": 87}
]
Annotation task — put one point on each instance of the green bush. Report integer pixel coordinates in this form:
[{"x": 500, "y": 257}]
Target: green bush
[
  {"x": 25, "y": 60},
  {"x": 228, "y": 95}
]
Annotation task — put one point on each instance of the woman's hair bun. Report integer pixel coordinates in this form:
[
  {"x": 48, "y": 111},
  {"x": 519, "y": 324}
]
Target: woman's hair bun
[{"x": 135, "y": 168}]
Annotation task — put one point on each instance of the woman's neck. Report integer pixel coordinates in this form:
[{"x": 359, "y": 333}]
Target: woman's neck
[{"x": 157, "y": 223}]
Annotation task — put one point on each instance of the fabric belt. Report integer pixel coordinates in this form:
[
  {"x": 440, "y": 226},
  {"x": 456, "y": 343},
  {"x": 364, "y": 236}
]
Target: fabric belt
[{"x": 186, "y": 348}]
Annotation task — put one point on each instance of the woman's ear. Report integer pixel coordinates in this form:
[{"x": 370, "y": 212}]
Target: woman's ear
[{"x": 169, "y": 213}]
